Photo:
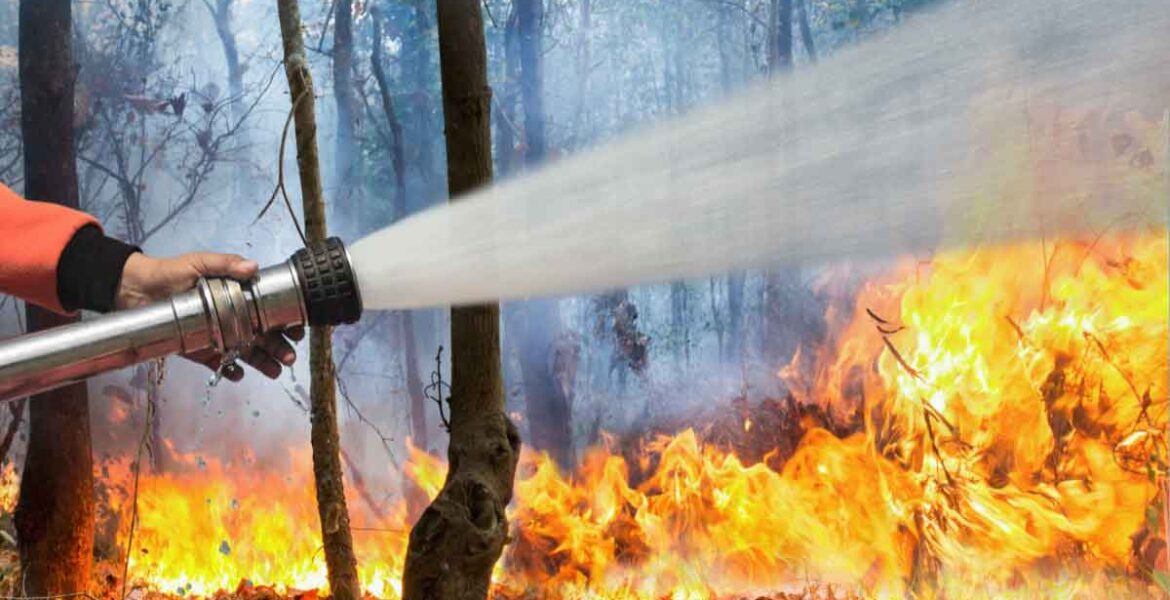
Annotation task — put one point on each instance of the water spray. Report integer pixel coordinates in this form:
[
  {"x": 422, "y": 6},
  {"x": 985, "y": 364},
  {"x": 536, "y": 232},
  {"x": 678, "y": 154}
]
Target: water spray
[
  {"x": 315, "y": 286},
  {"x": 891, "y": 148}
]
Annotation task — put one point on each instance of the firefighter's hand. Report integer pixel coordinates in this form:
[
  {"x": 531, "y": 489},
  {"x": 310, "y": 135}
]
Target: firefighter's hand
[{"x": 146, "y": 279}]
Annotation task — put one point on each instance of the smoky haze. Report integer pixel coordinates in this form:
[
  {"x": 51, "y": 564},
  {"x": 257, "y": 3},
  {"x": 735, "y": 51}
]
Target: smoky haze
[{"x": 889, "y": 119}]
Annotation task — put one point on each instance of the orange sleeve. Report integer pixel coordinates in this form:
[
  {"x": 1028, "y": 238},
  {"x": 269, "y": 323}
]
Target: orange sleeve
[{"x": 32, "y": 237}]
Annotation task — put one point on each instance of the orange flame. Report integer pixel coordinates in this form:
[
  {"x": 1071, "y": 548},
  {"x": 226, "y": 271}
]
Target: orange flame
[{"x": 1013, "y": 439}]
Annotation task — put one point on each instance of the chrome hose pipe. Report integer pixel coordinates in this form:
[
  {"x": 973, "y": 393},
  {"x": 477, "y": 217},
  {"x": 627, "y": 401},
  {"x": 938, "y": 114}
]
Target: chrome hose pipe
[{"x": 316, "y": 286}]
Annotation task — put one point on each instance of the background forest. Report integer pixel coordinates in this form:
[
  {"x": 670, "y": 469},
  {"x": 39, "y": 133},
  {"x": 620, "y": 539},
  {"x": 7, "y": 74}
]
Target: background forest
[
  {"x": 180, "y": 109},
  {"x": 980, "y": 416}
]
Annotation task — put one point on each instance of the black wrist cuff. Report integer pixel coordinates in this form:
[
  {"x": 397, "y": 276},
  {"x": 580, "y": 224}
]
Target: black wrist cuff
[{"x": 90, "y": 270}]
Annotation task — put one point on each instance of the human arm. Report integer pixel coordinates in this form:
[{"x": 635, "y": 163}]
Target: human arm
[{"x": 59, "y": 259}]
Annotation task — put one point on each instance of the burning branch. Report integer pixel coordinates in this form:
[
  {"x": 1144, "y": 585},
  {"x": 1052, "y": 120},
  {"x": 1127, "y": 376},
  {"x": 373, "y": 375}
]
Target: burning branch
[
  {"x": 901, "y": 361},
  {"x": 158, "y": 373}
]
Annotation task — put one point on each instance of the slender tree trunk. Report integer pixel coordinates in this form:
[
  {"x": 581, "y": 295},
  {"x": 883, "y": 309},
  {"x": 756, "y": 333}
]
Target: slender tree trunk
[
  {"x": 397, "y": 151},
  {"x": 679, "y": 321},
  {"x": 506, "y": 101},
  {"x": 345, "y": 151},
  {"x": 735, "y": 285},
  {"x": 418, "y": 408},
  {"x": 458, "y": 539},
  {"x": 724, "y": 53},
  {"x": 806, "y": 35},
  {"x": 221, "y": 13},
  {"x": 507, "y": 125},
  {"x": 735, "y": 281},
  {"x": 582, "y": 125},
  {"x": 55, "y": 512},
  {"x": 422, "y": 28},
  {"x": 335, "y": 533},
  {"x": 414, "y": 387},
  {"x": 780, "y": 58},
  {"x": 529, "y": 20},
  {"x": 549, "y": 406}
]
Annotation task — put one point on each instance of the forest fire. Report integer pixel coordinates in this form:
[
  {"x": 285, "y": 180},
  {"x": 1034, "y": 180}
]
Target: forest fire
[{"x": 990, "y": 424}]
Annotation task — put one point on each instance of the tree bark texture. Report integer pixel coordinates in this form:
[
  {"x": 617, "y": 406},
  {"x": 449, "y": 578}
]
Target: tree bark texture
[
  {"x": 405, "y": 329},
  {"x": 335, "y": 533},
  {"x": 345, "y": 152},
  {"x": 548, "y": 405},
  {"x": 55, "y": 512},
  {"x": 461, "y": 535}
]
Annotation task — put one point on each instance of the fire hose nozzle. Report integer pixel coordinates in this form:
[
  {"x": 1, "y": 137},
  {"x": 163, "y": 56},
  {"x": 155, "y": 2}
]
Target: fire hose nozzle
[{"x": 316, "y": 286}]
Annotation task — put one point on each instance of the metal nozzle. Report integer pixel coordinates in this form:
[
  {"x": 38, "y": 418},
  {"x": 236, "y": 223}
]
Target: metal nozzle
[{"x": 316, "y": 286}]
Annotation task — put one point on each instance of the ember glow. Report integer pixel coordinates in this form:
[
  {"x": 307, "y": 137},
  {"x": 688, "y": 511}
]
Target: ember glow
[{"x": 1009, "y": 409}]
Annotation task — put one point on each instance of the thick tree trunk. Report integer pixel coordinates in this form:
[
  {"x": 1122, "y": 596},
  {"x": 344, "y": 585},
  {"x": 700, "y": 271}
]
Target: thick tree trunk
[
  {"x": 55, "y": 512},
  {"x": 549, "y": 405},
  {"x": 335, "y": 533},
  {"x": 405, "y": 329},
  {"x": 460, "y": 536},
  {"x": 345, "y": 151}
]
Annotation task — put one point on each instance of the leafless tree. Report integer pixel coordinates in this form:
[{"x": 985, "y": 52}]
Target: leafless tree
[{"x": 150, "y": 137}]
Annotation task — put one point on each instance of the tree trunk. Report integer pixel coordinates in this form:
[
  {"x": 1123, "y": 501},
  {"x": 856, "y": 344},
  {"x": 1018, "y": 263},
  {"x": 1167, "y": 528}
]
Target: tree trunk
[
  {"x": 55, "y": 512},
  {"x": 397, "y": 151},
  {"x": 529, "y": 19},
  {"x": 722, "y": 34},
  {"x": 506, "y": 102},
  {"x": 735, "y": 285},
  {"x": 335, "y": 533},
  {"x": 780, "y": 58},
  {"x": 806, "y": 35},
  {"x": 680, "y": 322},
  {"x": 458, "y": 539},
  {"x": 407, "y": 339},
  {"x": 549, "y": 406},
  {"x": 345, "y": 152},
  {"x": 221, "y": 13},
  {"x": 421, "y": 30},
  {"x": 582, "y": 122}
]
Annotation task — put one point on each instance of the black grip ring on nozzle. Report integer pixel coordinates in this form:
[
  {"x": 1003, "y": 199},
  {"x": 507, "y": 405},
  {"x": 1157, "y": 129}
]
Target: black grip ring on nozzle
[{"x": 328, "y": 284}]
